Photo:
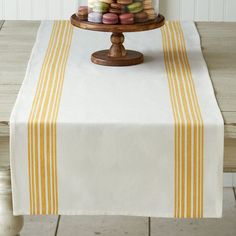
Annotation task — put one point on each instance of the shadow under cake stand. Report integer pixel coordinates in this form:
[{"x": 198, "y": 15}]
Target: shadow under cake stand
[{"x": 117, "y": 55}]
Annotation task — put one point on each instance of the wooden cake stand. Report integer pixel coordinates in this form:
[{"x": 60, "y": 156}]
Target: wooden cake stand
[{"x": 117, "y": 55}]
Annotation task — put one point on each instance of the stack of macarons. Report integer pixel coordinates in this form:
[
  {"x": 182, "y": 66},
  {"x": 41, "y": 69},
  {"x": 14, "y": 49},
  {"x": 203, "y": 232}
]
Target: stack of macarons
[
  {"x": 148, "y": 8},
  {"x": 117, "y": 11}
]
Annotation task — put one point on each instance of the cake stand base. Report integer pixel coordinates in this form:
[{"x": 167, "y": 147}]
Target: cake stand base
[
  {"x": 117, "y": 55},
  {"x": 130, "y": 58}
]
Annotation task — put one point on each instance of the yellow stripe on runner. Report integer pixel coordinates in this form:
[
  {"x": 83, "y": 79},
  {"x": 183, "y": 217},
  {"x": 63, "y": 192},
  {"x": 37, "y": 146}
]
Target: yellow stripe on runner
[
  {"x": 188, "y": 176},
  {"x": 42, "y": 141}
]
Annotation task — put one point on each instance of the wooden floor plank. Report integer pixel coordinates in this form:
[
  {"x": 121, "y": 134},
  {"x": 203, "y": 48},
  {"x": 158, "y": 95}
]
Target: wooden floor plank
[
  {"x": 16, "y": 42},
  {"x": 1, "y": 24},
  {"x": 4, "y": 151},
  {"x": 230, "y": 155},
  {"x": 39, "y": 225},
  {"x": 103, "y": 225},
  {"x": 205, "y": 227}
]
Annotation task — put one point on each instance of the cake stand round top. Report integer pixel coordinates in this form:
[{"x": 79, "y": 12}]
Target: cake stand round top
[{"x": 149, "y": 25}]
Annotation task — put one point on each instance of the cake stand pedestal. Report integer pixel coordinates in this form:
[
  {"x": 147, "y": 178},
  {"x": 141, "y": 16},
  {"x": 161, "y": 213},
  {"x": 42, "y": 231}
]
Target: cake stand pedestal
[{"x": 117, "y": 55}]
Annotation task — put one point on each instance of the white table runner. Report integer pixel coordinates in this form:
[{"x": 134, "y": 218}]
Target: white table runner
[{"x": 144, "y": 140}]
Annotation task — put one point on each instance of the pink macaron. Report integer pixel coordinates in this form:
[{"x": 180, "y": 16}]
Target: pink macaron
[
  {"x": 126, "y": 18},
  {"x": 110, "y": 19}
]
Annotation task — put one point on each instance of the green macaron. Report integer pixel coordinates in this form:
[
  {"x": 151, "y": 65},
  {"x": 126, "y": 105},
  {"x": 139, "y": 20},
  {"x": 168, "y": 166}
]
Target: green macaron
[
  {"x": 135, "y": 7},
  {"x": 100, "y": 7}
]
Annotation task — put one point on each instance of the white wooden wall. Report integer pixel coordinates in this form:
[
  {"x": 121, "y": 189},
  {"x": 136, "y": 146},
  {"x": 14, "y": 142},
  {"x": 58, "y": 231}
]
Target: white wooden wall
[{"x": 200, "y": 10}]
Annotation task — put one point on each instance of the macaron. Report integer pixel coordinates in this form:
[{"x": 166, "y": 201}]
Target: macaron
[
  {"x": 141, "y": 17},
  {"x": 91, "y": 3},
  {"x": 110, "y": 19},
  {"x": 124, "y": 2},
  {"x": 126, "y": 18},
  {"x": 116, "y": 8},
  {"x": 95, "y": 17},
  {"x": 115, "y": 11},
  {"x": 152, "y": 15},
  {"x": 147, "y": 1},
  {"x": 106, "y": 1},
  {"x": 135, "y": 7},
  {"x": 100, "y": 7},
  {"x": 147, "y": 6},
  {"x": 82, "y": 13}
]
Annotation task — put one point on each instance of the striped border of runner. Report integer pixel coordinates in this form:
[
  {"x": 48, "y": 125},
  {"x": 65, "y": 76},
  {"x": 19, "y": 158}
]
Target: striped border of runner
[
  {"x": 189, "y": 127},
  {"x": 42, "y": 164}
]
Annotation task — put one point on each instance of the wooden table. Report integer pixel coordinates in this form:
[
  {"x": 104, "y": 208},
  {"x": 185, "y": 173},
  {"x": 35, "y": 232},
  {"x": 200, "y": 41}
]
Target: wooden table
[{"x": 219, "y": 49}]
